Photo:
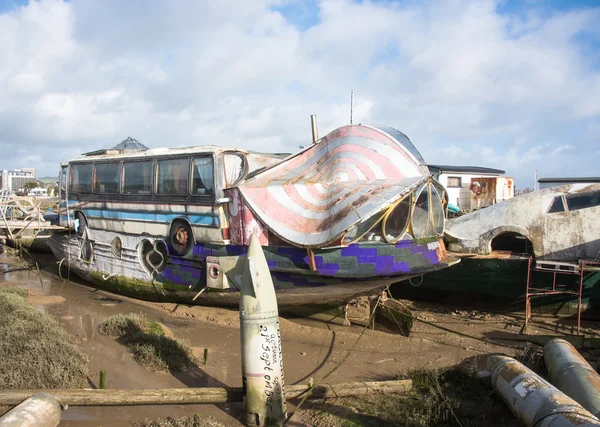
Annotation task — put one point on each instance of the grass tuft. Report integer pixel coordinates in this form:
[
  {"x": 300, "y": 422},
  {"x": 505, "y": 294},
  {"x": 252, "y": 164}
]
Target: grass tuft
[
  {"x": 118, "y": 325},
  {"x": 35, "y": 350},
  {"x": 15, "y": 290},
  {"x": 147, "y": 342},
  {"x": 194, "y": 421}
]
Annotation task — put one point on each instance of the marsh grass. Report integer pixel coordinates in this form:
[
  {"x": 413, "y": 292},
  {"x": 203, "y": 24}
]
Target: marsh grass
[
  {"x": 35, "y": 350},
  {"x": 147, "y": 342},
  {"x": 431, "y": 402}
]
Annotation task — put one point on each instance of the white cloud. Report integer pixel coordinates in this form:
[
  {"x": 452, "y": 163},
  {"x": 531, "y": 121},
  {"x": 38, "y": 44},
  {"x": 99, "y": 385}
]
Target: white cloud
[{"x": 466, "y": 83}]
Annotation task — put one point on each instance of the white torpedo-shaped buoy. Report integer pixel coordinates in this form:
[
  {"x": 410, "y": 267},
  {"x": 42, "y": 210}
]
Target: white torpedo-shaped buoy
[{"x": 262, "y": 363}]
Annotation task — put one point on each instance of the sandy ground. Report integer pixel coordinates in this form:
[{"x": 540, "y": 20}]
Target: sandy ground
[{"x": 312, "y": 348}]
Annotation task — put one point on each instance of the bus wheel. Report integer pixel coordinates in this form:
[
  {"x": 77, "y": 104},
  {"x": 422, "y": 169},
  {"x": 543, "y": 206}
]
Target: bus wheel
[
  {"x": 181, "y": 237},
  {"x": 82, "y": 223}
]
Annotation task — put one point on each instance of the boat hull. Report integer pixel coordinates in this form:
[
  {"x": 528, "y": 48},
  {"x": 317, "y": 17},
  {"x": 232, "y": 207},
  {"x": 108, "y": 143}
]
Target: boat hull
[{"x": 338, "y": 275}]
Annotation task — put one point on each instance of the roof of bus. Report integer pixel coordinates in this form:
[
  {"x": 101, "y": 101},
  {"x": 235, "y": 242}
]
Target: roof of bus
[{"x": 201, "y": 149}]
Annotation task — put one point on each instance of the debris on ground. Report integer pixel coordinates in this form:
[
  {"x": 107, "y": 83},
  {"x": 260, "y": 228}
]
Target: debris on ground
[
  {"x": 447, "y": 397},
  {"x": 195, "y": 421}
]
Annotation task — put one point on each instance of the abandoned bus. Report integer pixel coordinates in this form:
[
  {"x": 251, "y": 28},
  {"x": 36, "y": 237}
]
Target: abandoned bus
[{"x": 343, "y": 217}]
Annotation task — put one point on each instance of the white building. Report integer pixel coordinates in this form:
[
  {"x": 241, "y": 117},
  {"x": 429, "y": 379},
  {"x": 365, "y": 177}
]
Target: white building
[
  {"x": 473, "y": 187},
  {"x": 15, "y": 180}
]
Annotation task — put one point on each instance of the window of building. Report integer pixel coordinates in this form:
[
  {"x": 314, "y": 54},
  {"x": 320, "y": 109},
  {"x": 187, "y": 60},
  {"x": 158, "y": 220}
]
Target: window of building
[
  {"x": 81, "y": 178},
  {"x": 107, "y": 178},
  {"x": 583, "y": 200},
  {"x": 454, "y": 182},
  {"x": 557, "y": 205},
  {"x": 202, "y": 177},
  {"x": 172, "y": 177},
  {"x": 137, "y": 177}
]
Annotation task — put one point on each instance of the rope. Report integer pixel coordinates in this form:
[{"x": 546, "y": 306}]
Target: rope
[
  {"x": 335, "y": 368},
  {"x": 443, "y": 328}
]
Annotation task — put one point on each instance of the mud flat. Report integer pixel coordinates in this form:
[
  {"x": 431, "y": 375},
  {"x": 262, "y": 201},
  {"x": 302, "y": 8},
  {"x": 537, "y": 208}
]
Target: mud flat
[{"x": 311, "y": 348}]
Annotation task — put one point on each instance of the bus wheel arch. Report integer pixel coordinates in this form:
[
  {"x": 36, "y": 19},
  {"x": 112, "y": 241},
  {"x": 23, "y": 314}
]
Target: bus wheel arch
[{"x": 181, "y": 236}]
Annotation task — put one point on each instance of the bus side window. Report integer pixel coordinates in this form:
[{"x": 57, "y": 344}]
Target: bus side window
[
  {"x": 81, "y": 178},
  {"x": 137, "y": 177},
  {"x": 106, "y": 178},
  {"x": 173, "y": 176},
  {"x": 202, "y": 177}
]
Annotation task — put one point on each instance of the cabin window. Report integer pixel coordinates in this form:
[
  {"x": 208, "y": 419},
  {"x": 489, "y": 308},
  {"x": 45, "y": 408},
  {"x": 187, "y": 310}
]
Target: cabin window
[
  {"x": 234, "y": 168},
  {"x": 173, "y": 177},
  {"x": 582, "y": 201},
  {"x": 421, "y": 217},
  {"x": 358, "y": 231},
  {"x": 437, "y": 209},
  {"x": 202, "y": 177},
  {"x": 396, "y": 223},
  {"x": 557, "y": 205},
  {"x": 81, "y": 178},
  {"x": 454, "y": 182},
  {"x": 106, "y": 179},
  {"x": 137, "y": 177}
]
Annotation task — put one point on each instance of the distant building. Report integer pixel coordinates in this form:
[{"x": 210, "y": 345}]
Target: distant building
[
  {"x": 473, "y": 187},
  {"x": 556, "y": 182},
  {"x": 15, "y": 180}
]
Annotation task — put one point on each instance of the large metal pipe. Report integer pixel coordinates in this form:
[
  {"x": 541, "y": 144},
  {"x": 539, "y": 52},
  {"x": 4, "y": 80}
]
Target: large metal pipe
[
  {"x": 40, "y": 410},
  {"x": 313, "y": 126},
  {"x": 262, "y": 361},
  {"x": 572, "y": 374},
  {"x": 535, "y": 401}
]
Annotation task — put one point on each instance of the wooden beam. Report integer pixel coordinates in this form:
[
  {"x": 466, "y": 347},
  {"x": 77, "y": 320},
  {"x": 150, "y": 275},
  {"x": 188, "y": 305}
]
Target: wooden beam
[{"x": 179, "y": 396}]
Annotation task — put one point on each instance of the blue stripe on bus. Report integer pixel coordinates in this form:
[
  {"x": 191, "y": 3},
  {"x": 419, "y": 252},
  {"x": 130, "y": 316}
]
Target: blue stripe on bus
[{"x": 201, "y": 219}]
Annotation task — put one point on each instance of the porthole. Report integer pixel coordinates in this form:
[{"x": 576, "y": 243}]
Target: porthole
[{"x": 117, "y": 247}]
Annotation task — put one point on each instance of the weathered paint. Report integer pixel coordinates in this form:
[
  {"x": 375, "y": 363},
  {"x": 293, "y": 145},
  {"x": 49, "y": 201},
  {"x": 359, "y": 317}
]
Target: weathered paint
[
  {"x": 568, "y": 235},
  {"x": 312, "y": 198},
  {"x": 572, "y": 374},
  {"x": 533, "y": 400},
  {"x": 40, "y": 410},
  {"x": 262, "y": 358}
]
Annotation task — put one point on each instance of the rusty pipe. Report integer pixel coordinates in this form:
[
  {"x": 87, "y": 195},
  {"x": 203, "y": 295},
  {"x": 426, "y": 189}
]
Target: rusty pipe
[
  {"x": 40, "y": 410},
  {"x": 572, "y": 374},
  {"x": 313, "y": 125},
  {"x": 533, "y": 400}
]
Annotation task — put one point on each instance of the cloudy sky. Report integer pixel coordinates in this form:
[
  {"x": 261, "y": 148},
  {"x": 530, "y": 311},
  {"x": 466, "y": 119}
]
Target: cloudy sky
[{"x": 508, "y": 84}]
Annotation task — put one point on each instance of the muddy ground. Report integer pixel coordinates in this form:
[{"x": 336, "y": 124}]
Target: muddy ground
[{"x": 311, "y": 347}]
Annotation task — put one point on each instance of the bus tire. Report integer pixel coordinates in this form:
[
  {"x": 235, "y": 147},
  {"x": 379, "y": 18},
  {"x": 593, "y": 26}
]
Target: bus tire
[
  {"x": 82, "y": 223},
  {"x": 181, "y": 237}
]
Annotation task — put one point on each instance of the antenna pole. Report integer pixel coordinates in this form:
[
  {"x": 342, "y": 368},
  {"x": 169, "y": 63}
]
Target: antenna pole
[{"x": 351, "y": 104}]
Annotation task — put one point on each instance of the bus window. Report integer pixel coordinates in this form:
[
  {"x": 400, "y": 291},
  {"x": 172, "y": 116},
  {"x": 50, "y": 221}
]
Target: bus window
[
  {"x": 234, "y": 168},
  {"x": 81, "y": 178},
  {"x": 106, "y": 179},
  {"x": 173, "y": 176},
  {"x": 202, "y": 177},
  {"x": 137, "y": 177},
  {"x": 62, "y": 186}
]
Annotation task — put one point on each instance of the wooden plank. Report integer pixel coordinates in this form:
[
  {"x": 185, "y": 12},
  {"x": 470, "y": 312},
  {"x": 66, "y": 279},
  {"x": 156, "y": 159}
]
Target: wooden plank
[{"x": 124, "y": 397}]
